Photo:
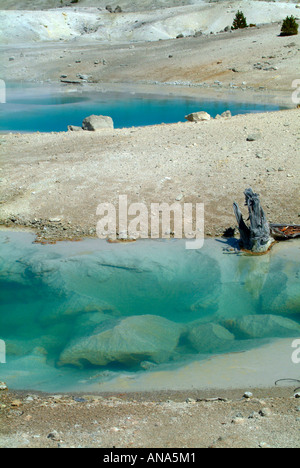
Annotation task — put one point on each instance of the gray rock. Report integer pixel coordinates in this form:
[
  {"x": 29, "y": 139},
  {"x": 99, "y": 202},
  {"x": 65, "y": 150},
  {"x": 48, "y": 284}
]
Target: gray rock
[
  {"x": 262, "y": 326},
  {"x": 238, "y": 420},
  {"x": 190, "y": 400},
  {"x": 265, "y": 412},
  {"x": 74, "y": 128},
  {"x": 53, "y": 436},
  {"x": 83, "y": 77},
  {"x": 198, "y": 117},
  {"x": 264, "y": 445},
  {"x": 210, "y": 337},
  {"x": 97, "y": 122},
  {"x": 254, "y": 137},
  {"x": 134, "y": 340},
  {"x": 227, "y": 114},
  {"x": 281, "y": 294}
]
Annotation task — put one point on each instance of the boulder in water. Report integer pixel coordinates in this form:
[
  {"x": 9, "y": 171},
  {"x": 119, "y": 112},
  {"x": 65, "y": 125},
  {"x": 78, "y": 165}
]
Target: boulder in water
[
  {"x": 133, "y": 340},
  {"x": 209, "y": 337},
  {"x": 281, "y": 294},
  {"x": 262, "y": 326}
]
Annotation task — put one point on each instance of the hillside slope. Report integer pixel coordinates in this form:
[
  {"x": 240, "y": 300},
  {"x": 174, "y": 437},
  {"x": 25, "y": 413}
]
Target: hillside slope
[{"x": 154, "y": 24}]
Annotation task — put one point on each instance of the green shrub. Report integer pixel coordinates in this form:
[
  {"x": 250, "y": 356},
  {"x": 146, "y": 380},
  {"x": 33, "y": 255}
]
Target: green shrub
[
  {"x": 289, "y": 26},
  {"x": 240, "y": 21}
]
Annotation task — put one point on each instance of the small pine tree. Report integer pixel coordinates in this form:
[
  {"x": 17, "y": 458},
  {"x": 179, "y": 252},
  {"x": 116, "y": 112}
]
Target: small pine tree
[
  {"x": 289, "y": 26},
  {"x": 240, "y": 21}
]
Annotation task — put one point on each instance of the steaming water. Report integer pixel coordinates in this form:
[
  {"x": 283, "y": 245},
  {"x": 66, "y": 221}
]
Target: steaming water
[
  {"x": 44, "y": 109},
  {"x": 55, "y": 299}
]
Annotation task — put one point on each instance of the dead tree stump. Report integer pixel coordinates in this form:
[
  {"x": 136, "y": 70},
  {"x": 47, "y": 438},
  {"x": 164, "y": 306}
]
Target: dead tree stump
[{"x": 256, "y": 237}]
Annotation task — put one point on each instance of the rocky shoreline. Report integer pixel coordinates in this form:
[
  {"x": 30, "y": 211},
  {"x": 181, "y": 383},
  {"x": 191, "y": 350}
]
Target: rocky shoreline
[{"x": 48, "y": 231}]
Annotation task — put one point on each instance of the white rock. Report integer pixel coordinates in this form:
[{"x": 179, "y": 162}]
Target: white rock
[
  {"x": 198, "y": 117},
  {"x": 97, "y": 122}
]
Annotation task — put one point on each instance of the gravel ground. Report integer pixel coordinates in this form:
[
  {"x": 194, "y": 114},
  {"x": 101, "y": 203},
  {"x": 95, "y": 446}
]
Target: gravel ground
[
  {"x": 60, "y": 179},
  {"x": 270, "y": 419}
]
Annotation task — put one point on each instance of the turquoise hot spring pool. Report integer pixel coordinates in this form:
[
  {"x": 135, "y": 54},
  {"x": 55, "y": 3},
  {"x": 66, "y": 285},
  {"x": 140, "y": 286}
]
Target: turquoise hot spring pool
[{"x": 89, "y": 312}]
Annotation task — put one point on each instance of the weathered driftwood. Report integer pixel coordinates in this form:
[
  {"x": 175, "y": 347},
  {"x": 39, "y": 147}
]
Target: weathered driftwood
[
  {"x": 256, "y": 237},
  {"x": 285, "y": 231}
]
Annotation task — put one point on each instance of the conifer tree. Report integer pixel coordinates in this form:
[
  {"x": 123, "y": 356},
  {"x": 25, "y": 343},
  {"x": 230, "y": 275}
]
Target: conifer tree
[
  {"x": 240, "y": 21},
  {"x": 289, "y": 26}
]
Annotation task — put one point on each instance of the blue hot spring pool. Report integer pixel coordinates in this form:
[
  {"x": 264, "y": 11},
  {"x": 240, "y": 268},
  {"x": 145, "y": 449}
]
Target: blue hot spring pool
[
  {"x": 86, "y": 313},
  {"x": 45, "y": 109}
]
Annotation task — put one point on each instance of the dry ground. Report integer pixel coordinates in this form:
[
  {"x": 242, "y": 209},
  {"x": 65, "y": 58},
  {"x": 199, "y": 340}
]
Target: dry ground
[
  {"x": 60, "y": 179},
  {"x": 155, "y": 420},
  {"x": 251, "y": 59}
]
